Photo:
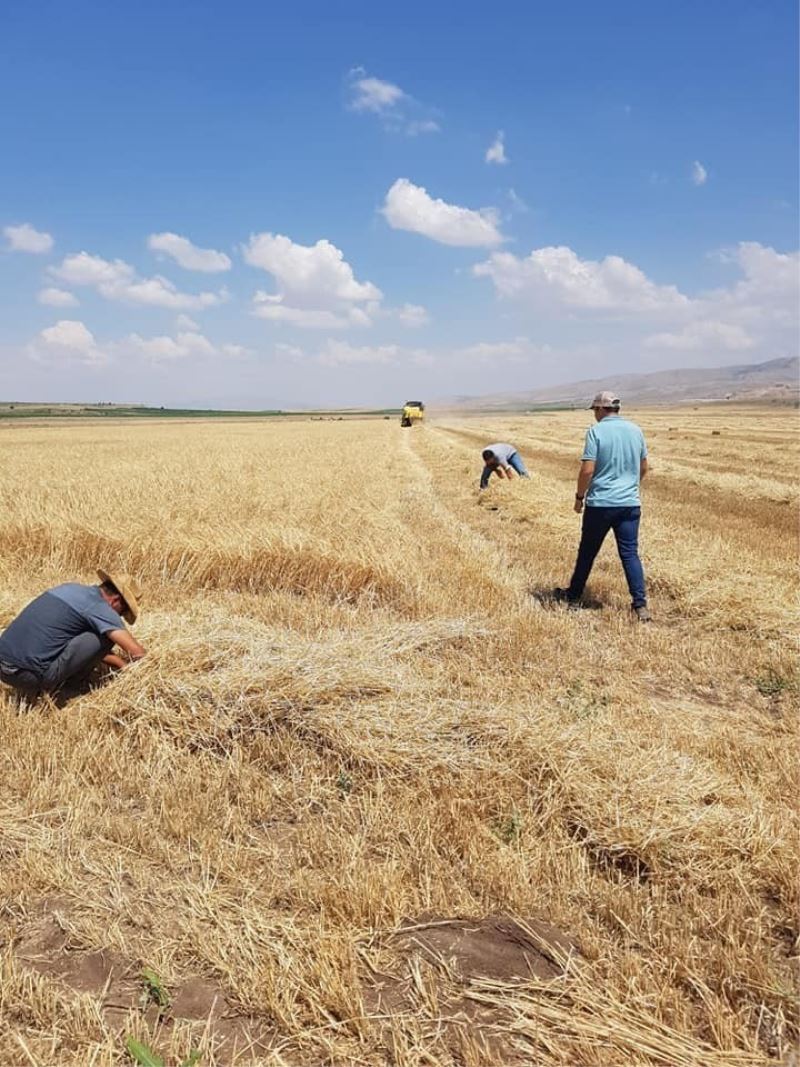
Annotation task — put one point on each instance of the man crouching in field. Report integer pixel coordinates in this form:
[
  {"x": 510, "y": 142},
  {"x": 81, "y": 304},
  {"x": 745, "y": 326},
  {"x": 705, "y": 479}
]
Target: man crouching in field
[
  {"x": 62, "y": 635},
  {"x": 501, "y": 459},
  {"x": 613, "y": 464}
]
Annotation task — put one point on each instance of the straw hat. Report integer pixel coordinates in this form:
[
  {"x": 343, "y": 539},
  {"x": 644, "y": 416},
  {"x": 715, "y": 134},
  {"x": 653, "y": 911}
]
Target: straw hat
[{"x": 128, "y": 588}]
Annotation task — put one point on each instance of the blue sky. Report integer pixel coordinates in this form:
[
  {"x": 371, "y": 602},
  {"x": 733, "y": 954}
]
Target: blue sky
[{"x": 264, "y": 205}]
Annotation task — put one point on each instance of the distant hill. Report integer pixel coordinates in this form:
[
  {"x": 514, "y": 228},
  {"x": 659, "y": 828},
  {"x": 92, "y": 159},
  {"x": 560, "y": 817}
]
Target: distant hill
[{"x": 777, "y": 380}]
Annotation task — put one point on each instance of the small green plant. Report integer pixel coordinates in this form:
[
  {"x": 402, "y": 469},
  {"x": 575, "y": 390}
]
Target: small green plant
[
  {"x": 344, "y": 783},
  {"x": 145, "y": 1057},
  {"x": 509, "y": 828},
  {"x": 154, "y": 991},
  {"x": 772, "y": 684}
]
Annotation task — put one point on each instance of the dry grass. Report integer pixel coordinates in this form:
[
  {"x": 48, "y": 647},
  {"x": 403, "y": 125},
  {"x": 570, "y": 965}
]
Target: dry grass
[{"x": 357, "y": 714}]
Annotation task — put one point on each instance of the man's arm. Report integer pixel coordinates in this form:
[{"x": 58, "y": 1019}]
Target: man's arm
[
  {"x": 128, "y": 643},
  {"x": 642, "y": 468},
  {"x": 485, "y": 476},
  {"x": 585, "y": 475}
]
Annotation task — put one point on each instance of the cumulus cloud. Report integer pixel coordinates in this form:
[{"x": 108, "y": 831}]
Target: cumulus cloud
[
  {"x": 165, "y": 349},
  {"x": 699, "y": 336},
  {"x": 57, "y": 298},
  {"x": 271, "y": 307},
  {"x": 614, "y": 303},
  {"x": 25, "y": 238},
  {"x": 69, "y": 341},
  {"x": 185, "y": 344},
  {"x": 519, "y": 350},
  {"x": 557, "y": 276},
  {"x": 373, "y": 94},
  {"x": 768, "y": 289},
  {"x": 409, "y": 207},
  {"x": 412, "y": 315},
  {"x": 337, "y": 353},
  {"x": 699, "y": 173},
  {"x": 187, "y": 255},
  {"x": 117, "y": 280},
  {"x": 397, "y": 110},
  {"x": 186, "y": 322},
  {"x": 316, "y": 286},
  {"x": 496, "y": 152}
]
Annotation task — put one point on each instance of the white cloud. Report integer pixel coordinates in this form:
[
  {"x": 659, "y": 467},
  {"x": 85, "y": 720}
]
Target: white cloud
[
  {"x": 397, "y": 110},
  {"x": 496, "y": 152},
  {"x": 187, "y": 343},
  {"x": 69, "y": 341},
  {"x": 270, "y": 307},
  {"x": 25, "y": 238},
  {"x": 57, "y": 298},
  {"x": 417, "y": 126},
  {"x": 412, "y": 315},
  {"x": 290, "y": 352},
  {"x": 558, "y": 276},
  {"x": 521, "y": 349},
  {"x": 409, "y": 207},
  {"x": 769, "y": 288},
  {"x": 699, "y": 173},
  {"x": 163, "y": 348},
  {"x": 699, "y": 336},
  {"x": 613, "y": 304},
  {"x": 187, "y": 255},
  {"x": 117, "y": 280},
  {"x": 317, "y": 288},
  {"x": 517, "y": 203},
  {"x": 373, "y": 94},
  {"x": 337, "y": 353},
  {"x": 186, "y": 322}
]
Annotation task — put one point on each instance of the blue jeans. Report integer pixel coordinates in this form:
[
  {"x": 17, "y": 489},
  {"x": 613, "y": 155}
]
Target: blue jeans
[
  {"x": 596, "y": 524},
  {"x": 514, "y": 461}
]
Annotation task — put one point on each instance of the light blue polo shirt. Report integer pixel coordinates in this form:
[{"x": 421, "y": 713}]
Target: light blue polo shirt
[{"x": 617, "y": 448}]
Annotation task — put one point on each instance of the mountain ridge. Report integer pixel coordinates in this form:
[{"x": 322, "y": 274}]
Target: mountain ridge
[{"x": 773, "y": 381}]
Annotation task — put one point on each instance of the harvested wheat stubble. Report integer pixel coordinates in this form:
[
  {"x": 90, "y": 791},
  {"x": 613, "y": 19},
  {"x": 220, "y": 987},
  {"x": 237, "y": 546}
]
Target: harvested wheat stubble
[{"x": 354, "y": 711}]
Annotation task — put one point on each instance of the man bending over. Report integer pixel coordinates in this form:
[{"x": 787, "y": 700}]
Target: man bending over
[
  {"x": 66, "y": 632},
  {"x": 501, "y": 459}
]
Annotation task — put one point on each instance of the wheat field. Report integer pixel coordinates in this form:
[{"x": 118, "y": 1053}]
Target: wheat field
[{"x": 372, "y": 798}]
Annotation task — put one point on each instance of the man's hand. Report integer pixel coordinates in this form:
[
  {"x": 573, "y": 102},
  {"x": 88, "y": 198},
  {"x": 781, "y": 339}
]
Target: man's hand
[
  {"x": 114, "y": 661},
  {"x": 128, "y": 643},
  {"x": 584, "y": 480}
]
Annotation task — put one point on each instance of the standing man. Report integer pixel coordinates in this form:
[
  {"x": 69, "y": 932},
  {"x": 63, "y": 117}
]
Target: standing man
[
  {"x": 501, "y": 459},
  {"x": 66, "y": 632},
  {"x": 613, "y": 464}
]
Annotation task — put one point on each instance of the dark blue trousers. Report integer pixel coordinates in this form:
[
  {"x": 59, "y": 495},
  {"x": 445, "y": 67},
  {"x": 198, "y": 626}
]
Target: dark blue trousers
[{"x": 596, "y": 524}]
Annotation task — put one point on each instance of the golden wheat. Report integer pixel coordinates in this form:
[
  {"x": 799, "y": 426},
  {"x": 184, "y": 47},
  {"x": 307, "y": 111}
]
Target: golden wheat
[{"x": 361, "y": 717}]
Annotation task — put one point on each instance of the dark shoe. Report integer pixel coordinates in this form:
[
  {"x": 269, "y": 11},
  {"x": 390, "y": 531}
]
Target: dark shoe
[
  {"x": 562, "y": 596},
  {"x": 642, "y": 613}
]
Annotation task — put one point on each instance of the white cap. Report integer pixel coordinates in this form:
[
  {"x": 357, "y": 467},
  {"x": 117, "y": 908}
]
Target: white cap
[{"x": 605, "y": 400}]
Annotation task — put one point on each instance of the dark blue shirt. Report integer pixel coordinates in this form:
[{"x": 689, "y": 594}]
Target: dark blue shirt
[{"x": 42, "y": 630}]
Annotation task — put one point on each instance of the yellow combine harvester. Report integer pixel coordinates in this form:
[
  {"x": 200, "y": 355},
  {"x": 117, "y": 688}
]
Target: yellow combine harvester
[{"x": 413, "y": 411}]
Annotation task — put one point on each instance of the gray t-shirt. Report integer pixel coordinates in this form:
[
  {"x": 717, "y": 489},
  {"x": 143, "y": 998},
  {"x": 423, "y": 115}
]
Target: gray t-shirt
[
  {"x": 502, "y": 452},
  {"x": 42, "y": 630}
]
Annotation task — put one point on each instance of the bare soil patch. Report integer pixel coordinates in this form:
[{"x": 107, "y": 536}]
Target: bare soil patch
[
  {"x": 115, "y": 980},
  {"x": 428, "y": 968}
]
